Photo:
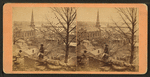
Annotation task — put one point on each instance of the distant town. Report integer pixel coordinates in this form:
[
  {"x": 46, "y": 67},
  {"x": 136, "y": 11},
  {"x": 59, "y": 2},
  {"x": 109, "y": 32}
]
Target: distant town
[{"x": 72, "y": 45}]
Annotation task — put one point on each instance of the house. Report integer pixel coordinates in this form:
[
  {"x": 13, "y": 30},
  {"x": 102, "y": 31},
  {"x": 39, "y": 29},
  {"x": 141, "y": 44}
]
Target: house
[{"x": 72, "y": 47}]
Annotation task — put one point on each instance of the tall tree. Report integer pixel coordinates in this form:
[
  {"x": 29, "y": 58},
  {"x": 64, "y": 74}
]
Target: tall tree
[
  {"x": 66, "y": 17},
  {"x": 129, "y": 18}
]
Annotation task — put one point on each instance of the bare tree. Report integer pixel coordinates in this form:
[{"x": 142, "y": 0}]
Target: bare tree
[
  {"x": 129, "y": 18},
  {"x": 65, "y": 17}
]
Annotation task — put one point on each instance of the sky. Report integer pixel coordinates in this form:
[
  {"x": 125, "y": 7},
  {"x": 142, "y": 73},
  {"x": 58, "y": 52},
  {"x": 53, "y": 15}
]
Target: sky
[
  {"x": 90, "y": 14},
  {"x": 24, "y": 13},
  {"x": 83, "y": 14}
]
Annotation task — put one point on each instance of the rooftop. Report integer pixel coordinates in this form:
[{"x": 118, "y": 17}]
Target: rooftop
[
  {"x": 87, "y": 26},
  {"x": 24, "y": 26}
]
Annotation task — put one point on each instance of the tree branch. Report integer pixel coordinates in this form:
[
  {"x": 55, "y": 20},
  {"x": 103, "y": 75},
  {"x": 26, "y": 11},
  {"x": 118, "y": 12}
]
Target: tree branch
[
  {"x": 57, "y": 32},
  {"x": 72, "y": 29},
  {"x": 136, "y": 30},
  {"x": 125, "y": 22},
  {"x": 59, "y": 13},
  {"x": 119, "y": 27},
  {"x": 73, "y": 17},
  {"x": 61, "y": 22},
  {"x": 123, "y": 12},
  {"x": 72, "y": 39}
]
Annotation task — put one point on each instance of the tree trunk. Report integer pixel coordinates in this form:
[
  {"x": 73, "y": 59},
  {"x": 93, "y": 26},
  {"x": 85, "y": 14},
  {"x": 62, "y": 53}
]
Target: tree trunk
[
  {"x": 132, "y": 44},
  {"x": 132, "y": 54},
  {"x": 67, "y": 53},
  {"x": 67, "y": 45}
]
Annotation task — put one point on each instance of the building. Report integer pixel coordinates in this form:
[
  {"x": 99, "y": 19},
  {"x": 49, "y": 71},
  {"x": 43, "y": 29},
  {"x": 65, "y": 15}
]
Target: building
[
  {"x": 89, "y": 31},
  {"x": 56, "y": 32},
  {"x": 24, "y": 31}
]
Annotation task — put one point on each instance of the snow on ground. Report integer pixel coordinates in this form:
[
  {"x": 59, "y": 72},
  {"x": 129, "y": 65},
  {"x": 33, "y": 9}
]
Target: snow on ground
[
  {"x": 56, "y": 55},
  {"x": 30, "y": 51},
  {"x": 96, "y": 52}
]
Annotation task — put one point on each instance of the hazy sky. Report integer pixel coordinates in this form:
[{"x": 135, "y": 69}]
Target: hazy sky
[
  {"x": 24, "y": 13},
  {"x": 90, "y": 14},
  {"x": 83, "y": 14}
]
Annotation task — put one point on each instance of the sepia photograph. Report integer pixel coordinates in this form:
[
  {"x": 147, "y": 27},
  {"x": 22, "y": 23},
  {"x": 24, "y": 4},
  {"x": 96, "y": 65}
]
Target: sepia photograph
[
  {"x": 107, "y": 39},
  {"x": 75, "y": 38},
  {"x": 44, "y": 39}
]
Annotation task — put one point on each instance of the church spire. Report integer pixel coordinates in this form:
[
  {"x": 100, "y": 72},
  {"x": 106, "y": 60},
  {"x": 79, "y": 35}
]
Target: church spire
[
  {"x": 32, "y": 21},
  {"x": 97, "y": 22}
]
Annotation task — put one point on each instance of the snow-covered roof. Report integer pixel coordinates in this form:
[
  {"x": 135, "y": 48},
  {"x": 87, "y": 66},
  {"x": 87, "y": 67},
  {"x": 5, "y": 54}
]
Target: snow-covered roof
[
  {"x": 20, "y": 40},
  {"x": 73, "y": 44},
  {"x": 86, "y": 41}
]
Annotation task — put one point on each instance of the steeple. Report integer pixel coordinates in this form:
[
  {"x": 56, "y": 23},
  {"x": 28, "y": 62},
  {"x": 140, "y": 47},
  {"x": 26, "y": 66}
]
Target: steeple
[
  {"x": 97, "y": 22},
  {"x": 32, "y": 21}
]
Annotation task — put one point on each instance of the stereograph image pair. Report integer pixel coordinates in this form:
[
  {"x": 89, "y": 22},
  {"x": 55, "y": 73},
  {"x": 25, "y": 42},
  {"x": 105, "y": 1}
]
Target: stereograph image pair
[{"x": 75, "y": 39}]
